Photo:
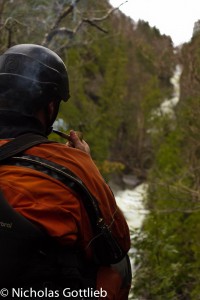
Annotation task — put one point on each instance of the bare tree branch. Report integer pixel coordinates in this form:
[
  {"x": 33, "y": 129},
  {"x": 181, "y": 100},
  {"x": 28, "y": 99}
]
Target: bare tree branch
[
  {"x": 65, "y": 13},
  {"x": 168, "y": 210},
  {"x": 10, "y": 22},
  {"x": 70, "y": 33},
  {"x": 48, "y": 37},
  {"x": 90, "y": 22},
  {"x": 2, "y": 3},
  {"x": 59, "y": 31},
  {"x": 9, "y": 27},
  {"x": 68, "y": 45},
  {"x": 93, "y": 20},
  {"x": 106, "y": 15}
]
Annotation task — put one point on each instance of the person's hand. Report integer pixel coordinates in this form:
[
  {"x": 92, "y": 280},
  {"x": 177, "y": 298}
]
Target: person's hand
[{"x": 75, "y": 142}]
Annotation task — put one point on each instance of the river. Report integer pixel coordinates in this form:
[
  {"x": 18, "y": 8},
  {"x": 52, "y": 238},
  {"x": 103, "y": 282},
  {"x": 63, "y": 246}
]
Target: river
[
  {"x": 131, "y": 203},
  {"x": 131, "y": 200}
]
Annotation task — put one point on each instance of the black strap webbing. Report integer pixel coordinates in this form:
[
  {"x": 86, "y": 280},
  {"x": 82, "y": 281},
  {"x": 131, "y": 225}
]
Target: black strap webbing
[
  {"x": 101, "y": 230},
  {"x": 20, "y": 144},
  {"x": 64, "y": 175},
  {"x": 16, "y": 146}
]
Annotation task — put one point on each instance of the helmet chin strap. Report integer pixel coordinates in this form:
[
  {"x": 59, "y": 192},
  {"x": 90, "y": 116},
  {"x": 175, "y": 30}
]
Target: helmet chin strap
[
  {"x": 49, "y": 130},
  {"x": 50, "y": 117}
]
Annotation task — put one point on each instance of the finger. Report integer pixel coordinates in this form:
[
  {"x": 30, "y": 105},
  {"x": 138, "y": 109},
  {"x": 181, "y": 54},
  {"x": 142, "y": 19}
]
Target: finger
[
  {"x": 69, "y": 144},
  {"x": 77, "y": 143},
  {"x": 74, "y": 139}
]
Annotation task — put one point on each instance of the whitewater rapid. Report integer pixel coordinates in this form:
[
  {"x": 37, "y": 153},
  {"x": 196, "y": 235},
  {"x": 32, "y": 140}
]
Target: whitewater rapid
[{"x": 131, "y": 202}]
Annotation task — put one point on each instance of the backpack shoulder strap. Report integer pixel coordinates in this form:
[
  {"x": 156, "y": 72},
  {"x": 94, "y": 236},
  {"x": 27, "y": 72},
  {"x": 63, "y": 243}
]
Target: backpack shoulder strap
[
  {"x": 20, "y": 144},
  {"x": 105, "y": 245},
  {"x": 103, "y": 235}
]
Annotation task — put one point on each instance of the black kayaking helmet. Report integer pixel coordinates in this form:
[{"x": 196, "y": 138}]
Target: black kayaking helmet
[{"x": 30, "y": 77}]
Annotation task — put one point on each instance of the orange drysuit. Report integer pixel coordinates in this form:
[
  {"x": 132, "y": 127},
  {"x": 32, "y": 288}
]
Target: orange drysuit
[{"x": 57, "y": 209}]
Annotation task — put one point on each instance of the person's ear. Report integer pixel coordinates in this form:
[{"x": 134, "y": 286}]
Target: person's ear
[{"x": 51, "y": 109}]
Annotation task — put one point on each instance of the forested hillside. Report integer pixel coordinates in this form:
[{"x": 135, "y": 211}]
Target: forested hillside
[
  {"x": 119, "y": 72},
  {"x": 119, "y": 75},
  {"x": 168, "y": 246}
]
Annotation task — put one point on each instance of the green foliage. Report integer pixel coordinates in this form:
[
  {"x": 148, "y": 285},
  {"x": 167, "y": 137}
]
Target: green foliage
[
  {"x": 168, "y": 159},
  {"x": 108, "y": 168},
  {"x": 115, "y": 80},
  {"x": 168, "y": 245}
]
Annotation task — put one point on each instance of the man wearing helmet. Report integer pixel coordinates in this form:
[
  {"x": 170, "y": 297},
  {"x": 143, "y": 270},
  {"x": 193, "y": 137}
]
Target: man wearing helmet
[{"x": 33, "y": 82}]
